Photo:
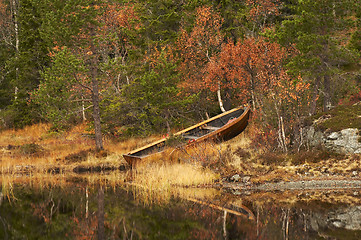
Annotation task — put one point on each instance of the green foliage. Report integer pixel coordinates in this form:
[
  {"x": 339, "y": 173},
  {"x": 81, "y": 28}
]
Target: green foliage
[
  {"x": 340, "y": 117},
  {"x": 140, "y": 91},
  {"x": 312, "y": 30},
  {"x": 6, "y": 93},
  {"x": 56, "y": 96},
  {"x": 66, "y": 20},
  {"x": 150, "y": 103},
  {"x": 160, "y": 20},
  {"x": 19, "y": 114},
  {"x": 355, "y": 41},
  {"x": 20, "y": 67}
]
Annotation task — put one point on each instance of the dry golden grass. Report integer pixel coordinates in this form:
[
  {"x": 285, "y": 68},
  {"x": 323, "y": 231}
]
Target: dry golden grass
[
  {"x": 162, "y": 179},
  {"x": 129, "y": 144},
  {"x": 55, "y": 147},
  {"x": 159, "y": 182},
  {"x": 50, "y": 146},
  {"x": 28, "y": 134},
  {"x": 35, "y": 148}
]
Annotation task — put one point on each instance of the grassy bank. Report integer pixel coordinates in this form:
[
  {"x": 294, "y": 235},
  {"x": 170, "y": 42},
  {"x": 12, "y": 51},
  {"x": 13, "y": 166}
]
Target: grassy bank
[{"x": 37, "y": 150}]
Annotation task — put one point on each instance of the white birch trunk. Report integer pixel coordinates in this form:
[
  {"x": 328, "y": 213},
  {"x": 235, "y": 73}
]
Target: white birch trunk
[
  {"x": 17, "y": 42},
  {"x": 220, "y": 98}
]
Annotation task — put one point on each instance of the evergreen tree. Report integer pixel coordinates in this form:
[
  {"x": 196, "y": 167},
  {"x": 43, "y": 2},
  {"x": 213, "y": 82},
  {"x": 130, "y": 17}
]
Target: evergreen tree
[
  {"x": 73, "y": 24},
  {"x": 356, "y": 36},
  {"x": 29, "y": 55},
  {"x": 315, "y": 33},
  {"x": 151, "y": 102}
]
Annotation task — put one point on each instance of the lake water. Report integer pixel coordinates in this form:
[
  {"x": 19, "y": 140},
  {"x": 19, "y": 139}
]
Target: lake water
[{"x": 84, "y": 208}]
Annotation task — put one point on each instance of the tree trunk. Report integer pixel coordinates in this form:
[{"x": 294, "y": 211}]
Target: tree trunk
[
  {"x": 86, "y": 203},
  {"x": 227, "y": 104},
  {"x": 101, "y": 230},
  {"x": 14, "y": 9},
  {"x": 95, "y": 93},
  {"x": 314, "y": 96},
  {"x": 327, "y": 95},
  {"x": 220, "y": 98}
]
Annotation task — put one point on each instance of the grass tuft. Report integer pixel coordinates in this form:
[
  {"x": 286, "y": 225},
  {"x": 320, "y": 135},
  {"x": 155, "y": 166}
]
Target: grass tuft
[{"x": 160, "y": 182}]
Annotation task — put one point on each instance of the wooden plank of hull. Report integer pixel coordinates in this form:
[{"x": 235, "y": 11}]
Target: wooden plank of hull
[{"x": 226, "y": 132}]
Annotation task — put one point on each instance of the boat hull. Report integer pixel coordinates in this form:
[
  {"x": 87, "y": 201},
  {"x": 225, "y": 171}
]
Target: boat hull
[{"x": 219, "y": 128}]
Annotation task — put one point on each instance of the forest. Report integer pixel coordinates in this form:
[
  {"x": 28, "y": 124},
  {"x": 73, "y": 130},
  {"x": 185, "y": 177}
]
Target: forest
[{"x": 140, "y": 67}]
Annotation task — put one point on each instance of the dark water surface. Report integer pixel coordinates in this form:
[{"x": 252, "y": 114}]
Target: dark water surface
[{"x": 79, "y": 210}]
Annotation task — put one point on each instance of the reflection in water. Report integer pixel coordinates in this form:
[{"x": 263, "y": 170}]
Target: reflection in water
[
  {"x": 101, "y": 233},
  {"x": 79, "y": 210}
]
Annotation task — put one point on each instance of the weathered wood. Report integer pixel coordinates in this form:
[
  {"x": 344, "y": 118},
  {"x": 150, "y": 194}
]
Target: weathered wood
[
  {"x": 210, "y": 128},
  {"x": 223, "y": 127}
]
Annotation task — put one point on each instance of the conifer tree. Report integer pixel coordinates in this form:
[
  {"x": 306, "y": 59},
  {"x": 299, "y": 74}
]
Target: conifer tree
[
  {"x": 314, "y": 30},
  {"x": 73, "y": 24}
]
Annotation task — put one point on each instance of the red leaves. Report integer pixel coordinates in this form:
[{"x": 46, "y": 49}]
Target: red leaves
[
  {"x": 261, "y": 9},
  {"x": 250, "y": 65},
  {"x": 197, "y": 47}
]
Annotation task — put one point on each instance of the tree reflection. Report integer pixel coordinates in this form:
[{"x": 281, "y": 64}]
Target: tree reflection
[
  {"x": 83, "y": 211},
  {"x": 101, "y": 231}
]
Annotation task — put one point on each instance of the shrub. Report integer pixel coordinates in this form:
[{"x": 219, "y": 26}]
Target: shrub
[
  {"x": 314, "y": 156},
  {"x": 271, "y": 158},
  {"x": 240, "y": 152},
  {"x": 31, "y": 149}
]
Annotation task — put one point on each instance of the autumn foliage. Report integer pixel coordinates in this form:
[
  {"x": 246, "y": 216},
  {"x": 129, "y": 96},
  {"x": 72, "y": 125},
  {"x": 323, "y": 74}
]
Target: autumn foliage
[
  {"x": 198, "y": 46},
  {"x": 145, "y": 66}
]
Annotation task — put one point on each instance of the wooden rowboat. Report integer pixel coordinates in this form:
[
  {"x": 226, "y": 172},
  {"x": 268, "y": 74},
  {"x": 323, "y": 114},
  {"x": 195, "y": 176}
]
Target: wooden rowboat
[{"x": 219, "y": 128}]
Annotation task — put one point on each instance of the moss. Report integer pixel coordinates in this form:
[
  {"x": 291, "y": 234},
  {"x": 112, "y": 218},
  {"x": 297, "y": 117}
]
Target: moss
[{"x": 338, "y": 118}]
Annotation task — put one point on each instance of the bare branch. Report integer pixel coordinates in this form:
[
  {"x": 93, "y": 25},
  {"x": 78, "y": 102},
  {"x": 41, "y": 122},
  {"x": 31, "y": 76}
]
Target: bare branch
[{"x": 82, "y": 85}]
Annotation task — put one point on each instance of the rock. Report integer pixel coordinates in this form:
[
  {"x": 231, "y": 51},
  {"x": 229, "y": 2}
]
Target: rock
[
  {"x": 235, "y": 178},
  {"x": 246, "y": 179},
  {"x": 314, "y": 138},
  {"x": 345, "y": 141},
  {"x": 348, "y": 218},
  {"x": 333, "y": 136},
  {"x": 338, "y": 224}
]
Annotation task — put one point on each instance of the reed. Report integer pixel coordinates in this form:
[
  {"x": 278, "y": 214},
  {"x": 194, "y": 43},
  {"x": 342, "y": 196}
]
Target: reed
[
  {"x": 125, "y": 146},
  {"x": 160, "y": 182},
  {"x": 37, "y": 148}
]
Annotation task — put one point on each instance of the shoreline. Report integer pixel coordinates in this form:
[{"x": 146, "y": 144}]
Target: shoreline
[
  {"x": 326, "y": 183},
  {"x": 317, "y": 184}
]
